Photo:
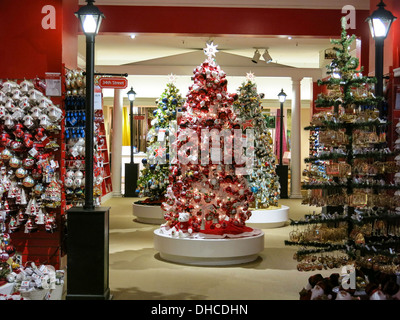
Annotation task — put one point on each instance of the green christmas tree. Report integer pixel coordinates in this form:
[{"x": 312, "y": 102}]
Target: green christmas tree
[
  {"x": 263, "y": 180},
  {"x": 153, "y": 180}
]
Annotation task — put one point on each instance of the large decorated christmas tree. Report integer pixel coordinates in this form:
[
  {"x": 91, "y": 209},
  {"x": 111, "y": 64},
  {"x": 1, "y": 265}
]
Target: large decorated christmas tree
[
  {"x": 208, "y": 192},
  {"x": 153, "y": 180},
  {"x": 264, "y": 182}
]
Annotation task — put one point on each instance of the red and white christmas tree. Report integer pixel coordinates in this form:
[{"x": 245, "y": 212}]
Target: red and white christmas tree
[{"x": 208, "y": 194}]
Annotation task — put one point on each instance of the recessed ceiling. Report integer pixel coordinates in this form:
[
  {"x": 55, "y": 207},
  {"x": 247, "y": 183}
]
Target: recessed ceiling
[{"x": 118, "y": 50}]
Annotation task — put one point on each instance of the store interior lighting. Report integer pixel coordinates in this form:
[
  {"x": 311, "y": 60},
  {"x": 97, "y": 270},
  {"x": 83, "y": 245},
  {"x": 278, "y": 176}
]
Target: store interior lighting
[
  {"x": 267, "y": 56},
  {"x": 256, "y": 56}
]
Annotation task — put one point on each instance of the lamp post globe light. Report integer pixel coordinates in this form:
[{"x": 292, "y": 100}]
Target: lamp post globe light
[
  {"x": 282, "y": 170},
  {"x": 88, "y": 227},
  {"x": 379, "y": 23}
]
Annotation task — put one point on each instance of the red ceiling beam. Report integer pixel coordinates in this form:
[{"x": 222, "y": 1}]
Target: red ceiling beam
[{"x": 246, "y": 21}]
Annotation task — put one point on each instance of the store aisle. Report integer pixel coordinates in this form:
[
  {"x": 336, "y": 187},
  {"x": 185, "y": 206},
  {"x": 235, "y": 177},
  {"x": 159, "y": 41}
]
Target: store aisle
[{"x": 137, "y": 272}]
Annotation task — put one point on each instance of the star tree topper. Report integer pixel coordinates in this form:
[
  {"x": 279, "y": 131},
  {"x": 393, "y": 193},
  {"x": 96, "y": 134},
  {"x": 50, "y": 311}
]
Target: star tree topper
[
  {"x": 250, "y": 76},
  {"x": 210, "y": 50},
  {"x": 171, "y": 78}
]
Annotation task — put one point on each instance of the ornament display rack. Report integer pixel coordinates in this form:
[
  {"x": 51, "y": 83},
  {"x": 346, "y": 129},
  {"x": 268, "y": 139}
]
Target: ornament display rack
[
  {"x": 31, "y": 149},
  {"x": 351, "y": 178},
  {"x": 75, "y": 119},
  {"x": 104, "y": 161}
]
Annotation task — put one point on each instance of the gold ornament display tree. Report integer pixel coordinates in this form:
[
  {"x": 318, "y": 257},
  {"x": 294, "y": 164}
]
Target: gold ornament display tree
[{"x": 350, "y": 176}]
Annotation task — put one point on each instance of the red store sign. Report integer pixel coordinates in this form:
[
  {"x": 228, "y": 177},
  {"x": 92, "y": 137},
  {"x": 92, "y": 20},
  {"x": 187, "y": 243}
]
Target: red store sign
[{"x": 113, "y": 83}]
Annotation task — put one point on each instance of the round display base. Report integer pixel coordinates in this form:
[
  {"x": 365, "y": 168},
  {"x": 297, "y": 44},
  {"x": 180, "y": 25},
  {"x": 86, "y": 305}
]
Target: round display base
[
  {"x": 148, "y": 214},
  {"x": 208, "y": 252},
  {"x": 275, "y": 217}
]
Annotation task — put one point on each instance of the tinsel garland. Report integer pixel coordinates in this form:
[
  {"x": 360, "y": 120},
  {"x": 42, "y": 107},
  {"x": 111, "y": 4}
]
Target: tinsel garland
[
  {"x": 351, "y": 185},
  {"x": 344, "y": 125},
  {"x": 349, "y": 248}
]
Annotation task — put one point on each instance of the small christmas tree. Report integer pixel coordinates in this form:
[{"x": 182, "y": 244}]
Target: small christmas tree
[
  {"x": 263, "y": 181},
  {"x": 209, "y": 197},
  {"x": 153, "y": 180}
]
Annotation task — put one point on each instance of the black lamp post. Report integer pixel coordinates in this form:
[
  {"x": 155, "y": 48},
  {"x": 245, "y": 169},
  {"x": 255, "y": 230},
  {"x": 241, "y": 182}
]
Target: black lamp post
[
  {"x": 282, "y": 170},
  {"x": 131, "y": 169},
  {"x": 87, "y": 234},
  {"x": 131, "y": 96},
  {"x": 379, "y": 23}
]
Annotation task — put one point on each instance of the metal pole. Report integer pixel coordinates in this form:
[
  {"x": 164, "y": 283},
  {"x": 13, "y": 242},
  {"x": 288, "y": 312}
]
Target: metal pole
[
  {"x": 281, "y": 136},
  {"x": 131, "y": 128},
  {"x": 89, "y": 129},
  {"x": 379, "y": 66}
]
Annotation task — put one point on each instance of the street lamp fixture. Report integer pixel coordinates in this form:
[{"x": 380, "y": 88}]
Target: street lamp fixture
[
  {"x": 379, "y": 23},
  {"x": 90, "y": 17},
  {"x": 282, "y": 96},
  {"x": 282, "y": 170},
  {"x": 131, "y": 96},
  {"x": 88, "y": 230},
  {"x": 131, "y": 169}
]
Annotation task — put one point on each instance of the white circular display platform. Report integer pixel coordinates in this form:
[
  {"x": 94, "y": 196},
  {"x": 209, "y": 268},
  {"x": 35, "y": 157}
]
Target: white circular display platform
[
  {"x": 268, "y": 218},
  {"x": 208, "y": 252},
  {"x": 148, "y": 214}
]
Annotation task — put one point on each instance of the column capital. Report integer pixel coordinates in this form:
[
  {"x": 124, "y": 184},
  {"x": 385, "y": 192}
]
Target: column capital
[{"x": 296, "y": 79}]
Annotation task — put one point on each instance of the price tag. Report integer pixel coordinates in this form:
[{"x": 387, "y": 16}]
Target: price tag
[
  {"x": 25, "y": 284},
  {"x": 161, "y": 135},
  {"x": 33, "y": 152}
]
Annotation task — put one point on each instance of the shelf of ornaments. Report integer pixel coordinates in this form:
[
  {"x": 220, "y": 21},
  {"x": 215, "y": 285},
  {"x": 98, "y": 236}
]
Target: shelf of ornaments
[
  {"x": 104, "y": 177},
  {"x": 30, "y": 136},
  {"x": 75, "y": 101}
]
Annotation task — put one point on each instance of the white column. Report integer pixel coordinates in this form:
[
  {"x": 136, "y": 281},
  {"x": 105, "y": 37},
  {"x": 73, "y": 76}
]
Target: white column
[
  {"x": 295, "y": 136},
  {"x": 116, "y": 143}
]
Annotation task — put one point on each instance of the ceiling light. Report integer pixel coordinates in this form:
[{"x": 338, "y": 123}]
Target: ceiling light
[
  {"x": 132, "y": 36},
  {"x": 267, "y": 57},
  {"x": 256, "y": 56}
]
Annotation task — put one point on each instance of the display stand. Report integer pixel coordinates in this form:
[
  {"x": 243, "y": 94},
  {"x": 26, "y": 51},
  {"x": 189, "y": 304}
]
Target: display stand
[
  {"x": 88, "y": 260},
  {"x": 273, "y": 217},
  {"x": 148, "y": 214},
  {"x": 208, "y": 252}
]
